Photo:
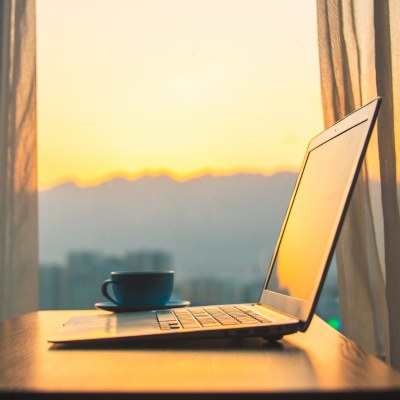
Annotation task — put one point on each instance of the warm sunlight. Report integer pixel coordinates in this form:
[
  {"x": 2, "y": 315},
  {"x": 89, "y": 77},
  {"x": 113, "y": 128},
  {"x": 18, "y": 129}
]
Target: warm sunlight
[{"x": 131, "y": 87}]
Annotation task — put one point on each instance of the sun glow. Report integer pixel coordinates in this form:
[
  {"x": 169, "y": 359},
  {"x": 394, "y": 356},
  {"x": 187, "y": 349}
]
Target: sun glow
[{"x": 127, "y": 88}]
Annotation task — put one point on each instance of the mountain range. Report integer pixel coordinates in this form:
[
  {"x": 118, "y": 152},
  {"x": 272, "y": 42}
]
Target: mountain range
[{"x": 211, "y": 223}]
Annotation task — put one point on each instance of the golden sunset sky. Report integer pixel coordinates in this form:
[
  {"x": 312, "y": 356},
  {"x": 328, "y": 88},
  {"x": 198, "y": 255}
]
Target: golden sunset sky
[{"x": 184, "y": 87}]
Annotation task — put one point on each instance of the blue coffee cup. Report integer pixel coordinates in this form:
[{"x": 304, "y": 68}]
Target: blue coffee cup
[{"x": 142, "y": 289}]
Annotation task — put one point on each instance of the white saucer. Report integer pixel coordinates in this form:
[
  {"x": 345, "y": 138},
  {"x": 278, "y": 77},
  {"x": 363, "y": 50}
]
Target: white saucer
[{"x": 109, "y": 306}]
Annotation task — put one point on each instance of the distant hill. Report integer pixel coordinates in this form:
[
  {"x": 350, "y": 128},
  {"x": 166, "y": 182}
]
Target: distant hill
[{"x": 212, "y": 223}]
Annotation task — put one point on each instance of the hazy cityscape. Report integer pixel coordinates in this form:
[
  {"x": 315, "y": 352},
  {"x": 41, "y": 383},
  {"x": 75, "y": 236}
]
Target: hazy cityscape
[
  {"x": 217, "y": 233},
  {"x": 76, "y": 285}
]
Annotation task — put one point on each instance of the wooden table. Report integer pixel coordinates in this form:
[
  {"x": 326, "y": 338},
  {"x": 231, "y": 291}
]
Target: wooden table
[{"x": 320, "y": 363}]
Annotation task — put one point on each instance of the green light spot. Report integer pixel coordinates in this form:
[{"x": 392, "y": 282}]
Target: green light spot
[{"x": 334, "y": 323}]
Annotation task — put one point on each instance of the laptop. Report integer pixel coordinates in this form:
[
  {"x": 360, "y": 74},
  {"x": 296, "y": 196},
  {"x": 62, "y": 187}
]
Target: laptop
[{"x": 298, "y": 266}]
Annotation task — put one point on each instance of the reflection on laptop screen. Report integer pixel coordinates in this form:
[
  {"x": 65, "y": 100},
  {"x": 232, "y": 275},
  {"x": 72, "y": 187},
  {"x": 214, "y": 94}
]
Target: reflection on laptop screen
[{"x": 311, "y": 226}]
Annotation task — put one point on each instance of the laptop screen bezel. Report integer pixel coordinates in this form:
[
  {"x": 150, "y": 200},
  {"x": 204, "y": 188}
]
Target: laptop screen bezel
[{"x": 303, "y": 310}]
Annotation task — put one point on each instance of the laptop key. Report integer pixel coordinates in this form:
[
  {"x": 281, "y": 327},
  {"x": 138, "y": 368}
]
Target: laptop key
[{"x": 166, "y": 317}]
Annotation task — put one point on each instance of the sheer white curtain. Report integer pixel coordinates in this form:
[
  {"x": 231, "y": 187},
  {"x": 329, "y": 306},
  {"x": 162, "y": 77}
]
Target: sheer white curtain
[
  {"x": 359, "y": 46},
  {"x": 18, "y": 195}
]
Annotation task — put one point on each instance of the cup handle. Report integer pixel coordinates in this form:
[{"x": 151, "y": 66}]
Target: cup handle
[{"x": 105, "y": 293}]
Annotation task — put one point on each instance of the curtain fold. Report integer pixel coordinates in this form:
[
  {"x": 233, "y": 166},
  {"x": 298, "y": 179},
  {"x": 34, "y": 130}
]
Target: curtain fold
[
  {"x": 359, "y": 43},
  {"x": 18, "y": 172}
]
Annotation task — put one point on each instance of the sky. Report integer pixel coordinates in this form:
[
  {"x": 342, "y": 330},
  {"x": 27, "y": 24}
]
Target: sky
[{"x": 179, "y": 87}]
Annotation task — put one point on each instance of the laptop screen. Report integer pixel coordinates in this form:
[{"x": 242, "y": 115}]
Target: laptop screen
[{"x": 310, "y": 229}]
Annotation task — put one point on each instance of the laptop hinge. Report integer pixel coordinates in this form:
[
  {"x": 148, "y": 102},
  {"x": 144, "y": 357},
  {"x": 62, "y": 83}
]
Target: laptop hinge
[{"x": 278, "y": 311}]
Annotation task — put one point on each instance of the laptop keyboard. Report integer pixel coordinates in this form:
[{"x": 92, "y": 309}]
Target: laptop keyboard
[{"x": 198, "y": 317}]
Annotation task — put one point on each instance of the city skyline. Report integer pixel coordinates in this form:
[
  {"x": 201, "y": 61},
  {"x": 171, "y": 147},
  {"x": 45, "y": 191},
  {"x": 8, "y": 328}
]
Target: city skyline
[{"x": 76, "y": 283}]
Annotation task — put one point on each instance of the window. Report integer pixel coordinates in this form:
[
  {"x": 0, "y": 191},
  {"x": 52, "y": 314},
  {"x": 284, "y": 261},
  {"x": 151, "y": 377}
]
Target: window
[{"x": 170, "y": 133}]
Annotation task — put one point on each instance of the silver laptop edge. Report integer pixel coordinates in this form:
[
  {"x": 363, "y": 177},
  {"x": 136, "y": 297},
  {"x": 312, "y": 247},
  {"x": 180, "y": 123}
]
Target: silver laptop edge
[{"x": 363, "y": 120}]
